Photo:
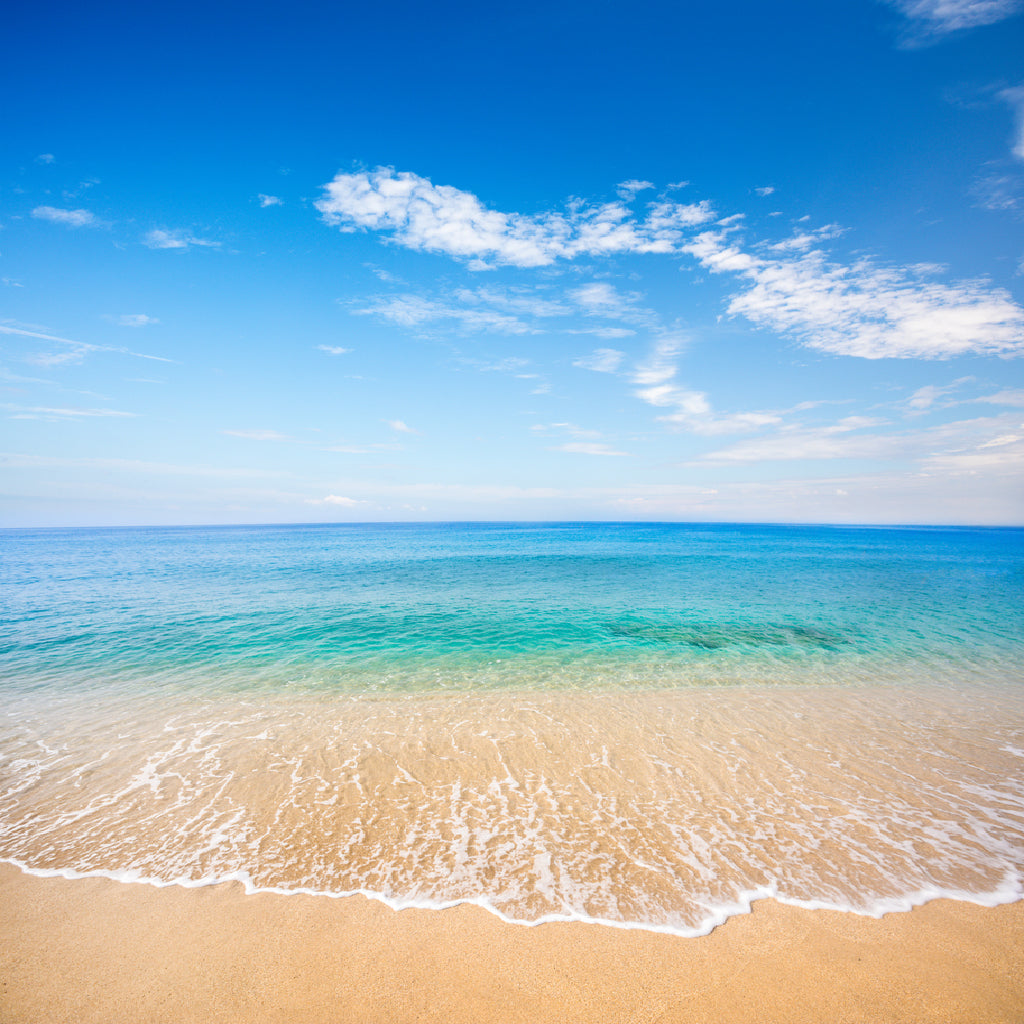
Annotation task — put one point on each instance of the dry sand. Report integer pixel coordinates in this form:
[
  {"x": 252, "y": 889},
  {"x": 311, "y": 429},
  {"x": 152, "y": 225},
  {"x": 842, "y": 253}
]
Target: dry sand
[{"x": 98, "y": 951}]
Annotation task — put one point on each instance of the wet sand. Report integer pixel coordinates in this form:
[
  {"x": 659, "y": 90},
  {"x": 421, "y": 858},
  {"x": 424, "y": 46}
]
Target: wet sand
[{"x": 93, "y": 950}]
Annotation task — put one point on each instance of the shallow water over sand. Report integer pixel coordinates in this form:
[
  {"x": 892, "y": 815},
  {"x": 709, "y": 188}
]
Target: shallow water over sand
[{"x": 642, "y": 725}]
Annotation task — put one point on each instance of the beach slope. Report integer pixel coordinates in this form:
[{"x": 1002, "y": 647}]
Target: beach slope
[{"x": 94, "y": 950}]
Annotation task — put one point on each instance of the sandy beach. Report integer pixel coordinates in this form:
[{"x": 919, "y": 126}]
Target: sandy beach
[{"x": 95, "y": 950}]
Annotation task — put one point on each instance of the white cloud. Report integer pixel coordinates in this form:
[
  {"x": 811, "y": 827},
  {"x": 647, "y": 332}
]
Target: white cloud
[
  {"x": 864, "y": 309},
  {"x": 692, "y": 410},
  {"x": 628, "y": 189},
  {"x": 1010, "y": 397},
  {"x": 334, "y": 350},
  {"x": 45, "y": 158},
  {"x": 570, "y": 428},
  {"x": 24, "y": 412},
  {"x": 955, "y": 443},
  {"x": 70, "y": 218},
  {"x": 441, "y": 218},
  {"x": 133, "y": 320},
  {"x": 765, "y": 190},
  {"x": 266, "y": 201},
  {"x": 161, "y": 239},
  {"x": 601, "y": 299},
  {"x": 521, "y": 301},
  {"x": 401, "y": 427},
  {"x": 1000, "y": 192},
  {"x": 603, "y": 360},
  {"x": 77, "y": 352},
  {"x": 258, "y": 435},
  {"x": 939, "y": 17},
  {"x": 335, "y": 499},
  {"x": 415, "y": 311},
  {"x": 604, "y": 332},
  {"x": 1015, "y": 98},
  {"x": 924, "y": 398},
  {"x": 587, "y": 448}
]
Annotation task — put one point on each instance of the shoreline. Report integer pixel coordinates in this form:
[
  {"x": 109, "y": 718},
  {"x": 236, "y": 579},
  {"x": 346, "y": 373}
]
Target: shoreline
[
  {"x": 1009, "y": 891},
  {"x": 94, "y": 949}
]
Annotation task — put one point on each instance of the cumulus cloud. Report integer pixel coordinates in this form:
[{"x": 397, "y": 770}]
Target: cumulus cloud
[
  {"x": 401, "y": 427},
  {"x": 69, "y": 218},
  {"x": 335, "y": 499},
  {"x": 266, "y": 201},
  {"x": 864, "y": 309},
  {"x": 440, "y": 218},
  {"x": 162, "y": 239}
]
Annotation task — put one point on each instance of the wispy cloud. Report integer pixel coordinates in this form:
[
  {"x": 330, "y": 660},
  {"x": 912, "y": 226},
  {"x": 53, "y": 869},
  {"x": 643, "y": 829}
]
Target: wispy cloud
[
  {"x": 689, "y": 409},
  {"x": 160, "y": 238},
  {"x": 76, "y": 353},
  {"x": 587, "y": 448},
  {"x": 69, "y": 218},
  {"x": 864, "y": 309},
  {"x": 628, "y": 189},
  {"x": 440, "y": 218},
  {"x": 1000, "y": 191},
  {"x": 415, "y": 311},
  {"x": 603, "y": 360},
  {"x": 1015, "y": 99},
  {"x": 856, "y": 437},
  {"x": 266, "y": 201},
  {"x": 401, "y": 427},
  {"x": 765, "y": 190},
  {"x": 334, "y": 350},
  {"x": 568, "y": 428},
  {"x": 25, "y": 412},
  {"x": 932, "y": 19},
  {"x": 45, "y": 158},
  {"x": 132, "y": 320},
  {"x": 602, "y": 299},
  {"x": 1010, "y": 397},
  {"x": 258, "y": 435},
  {"x": 925, "y": 398}
]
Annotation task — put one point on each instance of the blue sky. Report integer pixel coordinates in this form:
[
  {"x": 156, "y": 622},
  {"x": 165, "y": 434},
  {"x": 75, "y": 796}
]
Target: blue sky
[{"x": 749, "y": 262}]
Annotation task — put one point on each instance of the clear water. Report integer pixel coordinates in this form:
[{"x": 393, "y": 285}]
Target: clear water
[{"x": 640, "y": 724}]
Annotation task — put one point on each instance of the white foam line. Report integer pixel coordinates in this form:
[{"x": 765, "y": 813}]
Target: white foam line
[{"x": 1010, "y": 890}]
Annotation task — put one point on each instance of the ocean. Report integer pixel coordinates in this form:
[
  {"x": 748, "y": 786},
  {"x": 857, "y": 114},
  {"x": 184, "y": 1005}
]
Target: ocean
[{"x": 641, "y": 725}]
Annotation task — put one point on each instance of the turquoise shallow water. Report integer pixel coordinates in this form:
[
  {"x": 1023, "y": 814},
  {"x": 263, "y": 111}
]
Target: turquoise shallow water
[
  {"x": 411, "y": 608},
  {"x": 643, "y": 725}
]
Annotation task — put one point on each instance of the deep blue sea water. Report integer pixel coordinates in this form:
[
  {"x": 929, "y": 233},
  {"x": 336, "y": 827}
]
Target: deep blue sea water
[{"x": 643, "y": 724}]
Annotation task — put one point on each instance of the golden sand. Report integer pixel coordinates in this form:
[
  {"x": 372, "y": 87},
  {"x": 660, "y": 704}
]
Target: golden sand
[{"x": 93, "y": 950}]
